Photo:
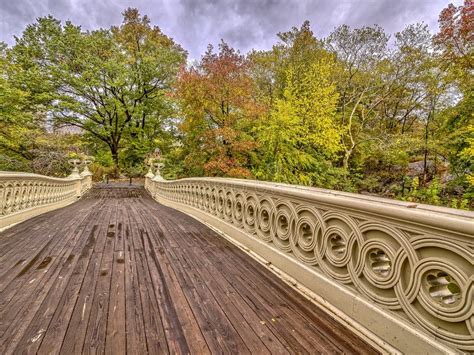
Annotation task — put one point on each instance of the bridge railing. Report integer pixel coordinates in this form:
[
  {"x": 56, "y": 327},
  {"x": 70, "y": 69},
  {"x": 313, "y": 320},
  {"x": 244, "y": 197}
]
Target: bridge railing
[
  {"x": 25, "y": 195},
  {"x": 401, "y": 271}
]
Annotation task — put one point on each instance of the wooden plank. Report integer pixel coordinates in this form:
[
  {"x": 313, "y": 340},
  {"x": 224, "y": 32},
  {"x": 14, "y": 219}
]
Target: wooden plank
[
  {"x": 33, "y": 237},
  {"x": 222, "y": 291},
  {"x": 196, "y": 305},
  {"x": 62, "y": 316},
  {"x": 237, "y": 310},
  {"x": 116, "y": 332},
  {"x": 33, "y": 336},
  {"x": 97, "y": 326},
  {"x": 195, "y": 340},
  {"x": 41, "y": 278},
  {"x": 47, "y": 244},
  {"x": 279, "y": 311},
  {"x": 208, "y": 307},
  {"x": 136, "y": 341},
  {"x": 247, "y": 322},
  {"x": 210, "y": 328},
  {"x": 174, "y": 332},
  {"x": 183, "y": 333},
  {"x": 154, "y": 332},
  {"x": 152, "y": 318},
  {"x": 16, "y": 238},
  {"x": 73, "y": 341}
]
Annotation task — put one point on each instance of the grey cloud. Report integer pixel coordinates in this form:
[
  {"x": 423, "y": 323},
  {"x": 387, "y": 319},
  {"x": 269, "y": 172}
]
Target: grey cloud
[
  {"x": 245, "y": 24},
  {"x": 394, "y": 15}
]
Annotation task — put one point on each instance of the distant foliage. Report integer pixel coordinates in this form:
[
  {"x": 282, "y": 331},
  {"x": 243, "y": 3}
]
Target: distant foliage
[{"x": 358, "y": 111}]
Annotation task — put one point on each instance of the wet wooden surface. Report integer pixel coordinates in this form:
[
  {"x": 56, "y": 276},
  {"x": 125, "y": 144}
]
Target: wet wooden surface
[{"x": 117, "y": 272}]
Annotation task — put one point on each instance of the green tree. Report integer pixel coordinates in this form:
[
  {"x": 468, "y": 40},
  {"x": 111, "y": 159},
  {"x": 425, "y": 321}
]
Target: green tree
[
  {"x": 297, "y": 134},
  {"x": 361, "y": 53},
  {"x": 112, "y": 84}
]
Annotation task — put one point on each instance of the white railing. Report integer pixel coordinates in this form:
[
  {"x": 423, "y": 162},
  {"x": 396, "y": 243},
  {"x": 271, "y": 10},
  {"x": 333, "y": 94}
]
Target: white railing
[
  {"x": 402, "y": 271},
  {"x": 24, "y": 195}
]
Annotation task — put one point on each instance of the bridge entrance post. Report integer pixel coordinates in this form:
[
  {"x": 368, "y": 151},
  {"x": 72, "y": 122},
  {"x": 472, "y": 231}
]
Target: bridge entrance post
[
  {"x": 86, "y": 176},
  {"x": 75, "y": 175}
]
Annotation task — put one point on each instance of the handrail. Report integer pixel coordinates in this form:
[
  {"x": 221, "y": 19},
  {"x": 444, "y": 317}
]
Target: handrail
[
  {"x": 404, "y": 271},
  {"x": 24, "y": 195}
]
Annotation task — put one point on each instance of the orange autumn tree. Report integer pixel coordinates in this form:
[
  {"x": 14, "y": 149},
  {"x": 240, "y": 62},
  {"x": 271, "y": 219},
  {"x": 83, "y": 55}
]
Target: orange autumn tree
[
  {"x": 455, "y": 41},
  {"x": 217, "y": 106}
]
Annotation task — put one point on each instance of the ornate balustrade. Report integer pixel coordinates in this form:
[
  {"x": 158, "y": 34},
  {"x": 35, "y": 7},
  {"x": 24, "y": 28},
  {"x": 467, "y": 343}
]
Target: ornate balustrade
[
  {"x": 401, "y": 271},
  {"x": 24, "y": 195}
]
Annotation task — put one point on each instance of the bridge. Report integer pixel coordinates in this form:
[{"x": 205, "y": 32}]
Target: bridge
[{"x": 214, "y": 265}]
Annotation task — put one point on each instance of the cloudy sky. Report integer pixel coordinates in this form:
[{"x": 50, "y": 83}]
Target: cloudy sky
[{"x": 245, "y": 24}]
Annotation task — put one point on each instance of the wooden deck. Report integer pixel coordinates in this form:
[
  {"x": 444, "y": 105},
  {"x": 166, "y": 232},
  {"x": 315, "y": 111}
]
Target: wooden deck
[{"x": 117, "y": 272}]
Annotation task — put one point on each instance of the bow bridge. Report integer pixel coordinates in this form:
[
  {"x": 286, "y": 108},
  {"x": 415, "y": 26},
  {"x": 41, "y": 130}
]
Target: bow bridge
[{"x": 213, "y": 265}]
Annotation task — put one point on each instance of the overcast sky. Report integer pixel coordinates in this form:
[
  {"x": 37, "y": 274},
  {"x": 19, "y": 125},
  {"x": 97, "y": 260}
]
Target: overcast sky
[{"x": 244, "y": 24}]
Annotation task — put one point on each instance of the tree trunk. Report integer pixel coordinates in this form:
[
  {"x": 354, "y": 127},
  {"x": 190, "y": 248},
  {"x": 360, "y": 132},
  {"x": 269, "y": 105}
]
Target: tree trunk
[
  {"x": 345, "y": 161},
  {"x": 425, "y": 158},
  {"x": 425, "y": 155},
  {"x": 115, "y": 157}
]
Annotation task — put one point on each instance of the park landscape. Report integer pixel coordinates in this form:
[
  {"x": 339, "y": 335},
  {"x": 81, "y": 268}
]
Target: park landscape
[
  {"x": 309, "y": 193},
  {"x": 360, "y": 110}
]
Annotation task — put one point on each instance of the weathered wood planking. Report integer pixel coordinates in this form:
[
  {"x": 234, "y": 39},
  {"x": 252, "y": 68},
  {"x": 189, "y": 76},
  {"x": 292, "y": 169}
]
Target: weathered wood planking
[{"x": 118, "y": 273}]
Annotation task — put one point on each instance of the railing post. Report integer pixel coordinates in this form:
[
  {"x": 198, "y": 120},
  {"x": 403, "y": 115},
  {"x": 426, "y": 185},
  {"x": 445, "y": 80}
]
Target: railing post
[
  {"x": 76, "y": 176},
  {"x": 153, "y": 160},
  {"x": 86, "y": 176},
  {"x": 158, "y": 167},
  {"x": 156, "y": 178},
  {"x": 149, "y": 175}
]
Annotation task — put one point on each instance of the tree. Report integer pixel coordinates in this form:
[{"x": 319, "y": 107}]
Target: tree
[
  {"x": 361, "y": 53},
  {"x": 217, "y": 103},
  {"x": 109, "y": 83},
  {"x": 395, "y": 133},
  {"x": 296, "y": 49},
  {"x": 404, "y": 70},
  {"x": 12, "y": 104},
  {"x": 20, "y": 118},
  {"x": 455, "y": 41},
  {"x": 298, "y": 132},
  {"x": 456, "y": 38}
]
